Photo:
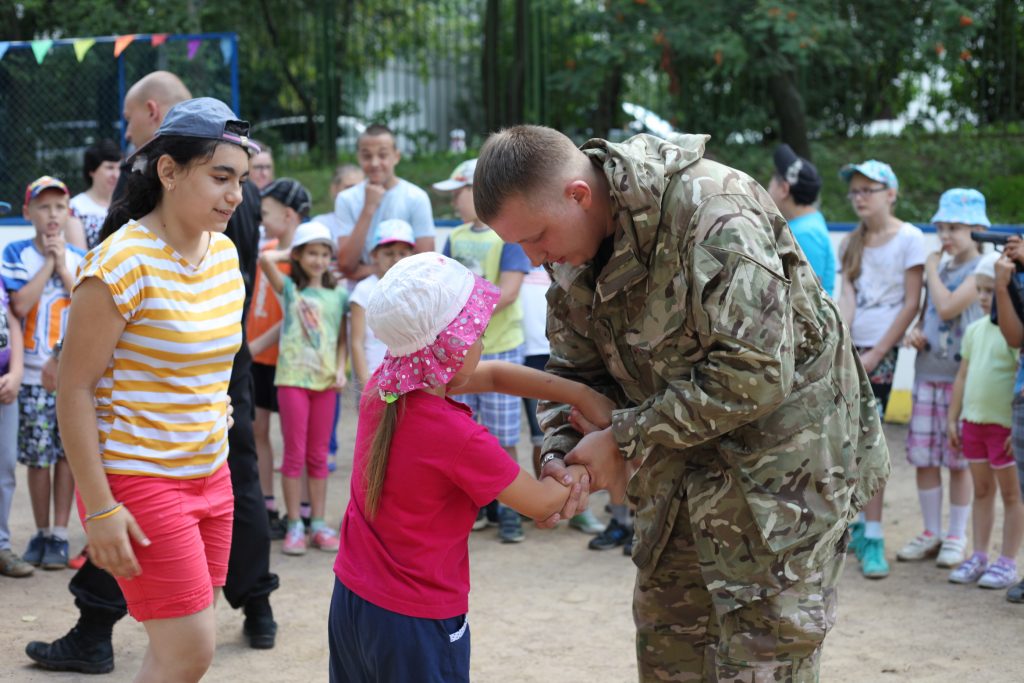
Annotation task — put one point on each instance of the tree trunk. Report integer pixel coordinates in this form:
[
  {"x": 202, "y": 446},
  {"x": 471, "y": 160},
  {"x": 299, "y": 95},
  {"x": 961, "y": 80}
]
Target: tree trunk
[
  {"x": 307, "y": 103},
  {"x": 789, "y": 110},
  {"x": 608, "y": 102},
  {"x": 489, "y": 66}
]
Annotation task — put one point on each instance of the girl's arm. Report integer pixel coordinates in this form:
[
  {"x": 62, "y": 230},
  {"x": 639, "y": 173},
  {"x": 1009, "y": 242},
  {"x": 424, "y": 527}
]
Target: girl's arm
[
  {"x": 847, "y": 302},
  {"x": 357, "y": 318},
  {"x": 1010, "y": 325},
  {"x": 341, "y": 354},
  {"x": 956, "y": 402},
  {"x": 94, "y": 327},
  {"x": 518, "y": 380},
  {"x": 509, "y": 282},
  {"x": 11, "y": 382},
  {"x": 539, "y": 499},
  {"x": 266, "y": 340},
  {"x": 948, "y": 304},
  {"x": 911, "y": 304},
  {"x": 268, "y": 263},
  {"x": 74, "y": 233}
]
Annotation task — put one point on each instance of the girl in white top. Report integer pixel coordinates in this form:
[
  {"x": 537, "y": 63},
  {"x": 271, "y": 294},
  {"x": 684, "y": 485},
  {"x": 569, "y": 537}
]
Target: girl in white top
[
  {"x": 392, "y": 242},
  {"x": 101, "y": 168},
  {"x": 882, "y": 266}
]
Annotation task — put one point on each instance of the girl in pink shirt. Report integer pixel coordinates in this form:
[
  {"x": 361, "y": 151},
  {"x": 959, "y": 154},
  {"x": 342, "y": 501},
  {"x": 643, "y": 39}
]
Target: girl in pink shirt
[{"x": 423, "y": 468}]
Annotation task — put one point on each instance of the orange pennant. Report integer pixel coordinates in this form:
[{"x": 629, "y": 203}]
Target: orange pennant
[
  {"x": 158, "y": 39},
  {"x": 121, "y": 43}
]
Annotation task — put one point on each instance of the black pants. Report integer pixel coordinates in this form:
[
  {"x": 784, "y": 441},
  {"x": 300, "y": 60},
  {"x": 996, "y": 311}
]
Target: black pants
[{"x": 249, "y": 563}]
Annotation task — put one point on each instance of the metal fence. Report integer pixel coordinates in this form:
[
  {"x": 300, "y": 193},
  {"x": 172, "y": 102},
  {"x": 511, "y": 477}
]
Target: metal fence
[{"x": 57, "y": 97}]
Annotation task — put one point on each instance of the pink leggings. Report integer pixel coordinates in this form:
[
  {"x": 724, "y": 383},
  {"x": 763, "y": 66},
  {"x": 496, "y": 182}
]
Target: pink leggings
[{"x": 307, "y": 417}]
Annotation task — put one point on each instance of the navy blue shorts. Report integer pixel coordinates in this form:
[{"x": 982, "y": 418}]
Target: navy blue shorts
[{"x": 370, "y": 644}]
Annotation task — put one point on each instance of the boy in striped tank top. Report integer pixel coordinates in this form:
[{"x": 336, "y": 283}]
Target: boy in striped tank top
[{"x": 154, "y": 325}]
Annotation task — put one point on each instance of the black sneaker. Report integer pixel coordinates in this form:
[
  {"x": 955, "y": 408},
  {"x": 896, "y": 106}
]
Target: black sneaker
[
  {"x": 613, "y": 536},
  {"x": 278, "y": 526},
  {"x": 73, "y": 652},
  {"x": 259, "y": 626}
]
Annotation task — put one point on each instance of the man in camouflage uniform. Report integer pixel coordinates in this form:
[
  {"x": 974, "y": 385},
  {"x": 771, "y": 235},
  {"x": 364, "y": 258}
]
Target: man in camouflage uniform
[{"x": 743, "y": 411}]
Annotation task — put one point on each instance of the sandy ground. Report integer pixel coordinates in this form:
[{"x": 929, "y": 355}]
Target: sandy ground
[{"x": 549, "y": 609}]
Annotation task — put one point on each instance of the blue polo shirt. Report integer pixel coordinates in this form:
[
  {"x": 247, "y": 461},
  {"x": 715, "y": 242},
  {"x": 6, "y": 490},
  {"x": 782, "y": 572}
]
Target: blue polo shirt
[{"x": 812, "y": 235}]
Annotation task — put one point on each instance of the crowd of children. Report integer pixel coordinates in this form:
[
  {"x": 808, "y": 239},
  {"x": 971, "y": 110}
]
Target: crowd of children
[{"x": 335, "y": 293}]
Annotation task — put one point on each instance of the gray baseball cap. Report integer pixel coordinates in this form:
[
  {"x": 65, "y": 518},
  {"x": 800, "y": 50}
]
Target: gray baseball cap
[{"x": 202, "y": 117}]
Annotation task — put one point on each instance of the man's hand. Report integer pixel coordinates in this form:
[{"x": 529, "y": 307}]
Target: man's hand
[
  {"x": 1005, "y": 269},
  {"x": 599, "y": 453},
  {"x": 1014, "y": 249},
  {"x": 230, "y": 413},
  {"x": 50, "y": 374},
  {"x": 374, "y": 196},
  {"x": 595, "y": 409}
]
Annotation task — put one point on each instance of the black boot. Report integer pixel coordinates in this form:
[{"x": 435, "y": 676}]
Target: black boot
[
  {"x": 85, "y": 650},
  {"x": 259, "y": 627}
]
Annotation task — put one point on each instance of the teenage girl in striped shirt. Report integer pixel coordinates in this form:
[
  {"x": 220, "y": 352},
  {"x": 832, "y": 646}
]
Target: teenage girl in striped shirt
[{"x": 154, "y": 325}]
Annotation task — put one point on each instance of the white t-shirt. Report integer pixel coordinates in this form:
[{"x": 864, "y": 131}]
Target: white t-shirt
[
  {"x": 375, "y": 348},
  {"x": 92, "y": 215},
  {"x": 404, "y": 200},
  {"x": 533, "y": 299},
  {"x": 880, "y": 287}
]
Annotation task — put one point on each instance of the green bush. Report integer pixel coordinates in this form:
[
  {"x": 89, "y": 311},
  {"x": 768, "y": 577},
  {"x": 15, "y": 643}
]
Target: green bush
[{"x": 990, "y": 160}]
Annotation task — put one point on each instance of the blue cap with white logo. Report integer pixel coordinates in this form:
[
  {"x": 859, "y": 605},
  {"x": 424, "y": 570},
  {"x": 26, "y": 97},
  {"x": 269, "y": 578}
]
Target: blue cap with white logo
[{"x": 202, "y": 117}]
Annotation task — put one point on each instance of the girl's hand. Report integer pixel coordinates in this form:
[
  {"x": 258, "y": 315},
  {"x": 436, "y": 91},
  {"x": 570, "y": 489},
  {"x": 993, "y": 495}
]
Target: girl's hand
[
  {"x": 1008, "y": 446},
  {"x": 230, "y": 412},
  {"x": 595, "y": 408},
  {"x": 870, "y": 360},
  {"x": 953, "y": 434},
  {"x": 110, "y": 544},
  {"x": 915, "y": 339},
  {"x": 340, "y": 382},
  {"x": 1005, "y": 268},
  {"x": 9, "y": 386},
  {"x": 932, "y": 262}
]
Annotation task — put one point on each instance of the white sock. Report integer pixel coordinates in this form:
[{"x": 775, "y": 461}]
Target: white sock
[
  {"x": 958, "y": 516},
  {"x": 873, "y": 530},
  {"x": 45, "y": 533},
  {"x": 620, "y": 513},
  {"x": 60, "y": 533},
  {"x": 931, "y": 509}
]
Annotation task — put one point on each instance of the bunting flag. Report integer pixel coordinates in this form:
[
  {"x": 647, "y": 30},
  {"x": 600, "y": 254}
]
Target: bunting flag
[
  {"x": 3, "y": 48},
  {"x": 158, "y": 39},
  {"x": 40, "y": 48},
  {"x": 193, "y": 47},
  {"x": 227, "y": 49},
  {"x": 122, "y": 42},
  {"x": 83, "y": 45}
]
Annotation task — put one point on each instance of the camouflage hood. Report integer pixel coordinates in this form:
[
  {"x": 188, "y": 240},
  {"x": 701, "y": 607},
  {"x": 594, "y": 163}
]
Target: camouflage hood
[{"x": 639, "y": 170}]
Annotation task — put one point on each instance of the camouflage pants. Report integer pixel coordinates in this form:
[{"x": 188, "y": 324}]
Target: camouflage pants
[{"x": 682, "y": 637}]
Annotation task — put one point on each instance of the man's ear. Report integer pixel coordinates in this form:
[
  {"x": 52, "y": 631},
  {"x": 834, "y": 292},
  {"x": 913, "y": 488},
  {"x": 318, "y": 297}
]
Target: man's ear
[{"x": 579, "y": 191}]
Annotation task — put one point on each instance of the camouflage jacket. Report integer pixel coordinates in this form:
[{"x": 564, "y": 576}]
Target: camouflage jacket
[{"x": 738, "y": 387}]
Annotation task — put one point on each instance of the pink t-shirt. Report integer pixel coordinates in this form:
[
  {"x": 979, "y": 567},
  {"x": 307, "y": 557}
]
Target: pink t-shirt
[{"x": 413, "y": 558}]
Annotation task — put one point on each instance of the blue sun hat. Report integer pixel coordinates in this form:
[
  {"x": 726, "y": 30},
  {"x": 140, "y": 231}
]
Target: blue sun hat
[
  {"x": 879, "y": 171},
  {"x": 962, "y": 205}
]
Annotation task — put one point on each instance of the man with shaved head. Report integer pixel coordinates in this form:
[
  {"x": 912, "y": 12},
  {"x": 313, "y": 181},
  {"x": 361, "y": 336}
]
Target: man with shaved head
[
  {"x": 743, "y": 412},
  {"x": 87, "y": 648}
]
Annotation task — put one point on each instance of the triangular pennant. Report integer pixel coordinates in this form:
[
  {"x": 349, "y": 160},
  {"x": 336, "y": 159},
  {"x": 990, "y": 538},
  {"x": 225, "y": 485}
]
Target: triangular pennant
[
  {"x": 40, "y": 48},
  {"x": 193, "y": 47},
  {"x": 3, "y": 48},
  {"x": 158, "y": 39},
  {"x": 227, "y": 49},
  {"x": 121, "y": 42},
  {"x": 83, "y": 45}
]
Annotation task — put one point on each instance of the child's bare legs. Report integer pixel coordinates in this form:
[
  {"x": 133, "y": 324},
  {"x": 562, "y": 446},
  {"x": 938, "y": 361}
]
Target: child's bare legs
[
  {"x": 984, "y": 507},
  {"x": 292, "y": 487},
  {"x": 317, "y": 496},
  {"x": 1013, "y": 509},
  {"x": 180, "y": 649},
  {"x": 39, "y": 493},
  {"x": 63, "y": 493}
]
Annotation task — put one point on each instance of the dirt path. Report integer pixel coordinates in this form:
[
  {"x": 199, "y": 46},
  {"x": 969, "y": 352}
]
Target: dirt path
[{"x": 549, "y": 609}]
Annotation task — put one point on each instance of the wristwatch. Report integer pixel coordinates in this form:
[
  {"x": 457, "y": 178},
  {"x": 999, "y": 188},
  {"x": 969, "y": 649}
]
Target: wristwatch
[
  {"x": 56, "y": 349},
  {"x": 549, "y": 456}
]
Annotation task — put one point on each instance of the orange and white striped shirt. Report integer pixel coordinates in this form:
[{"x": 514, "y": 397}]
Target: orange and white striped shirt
[{"x": 162, "y": 402}]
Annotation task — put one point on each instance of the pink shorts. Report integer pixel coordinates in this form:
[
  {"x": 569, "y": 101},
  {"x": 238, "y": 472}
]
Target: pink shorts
[
  {"x": 188, "y": 523},
  {"x": 986, "y": 443}
]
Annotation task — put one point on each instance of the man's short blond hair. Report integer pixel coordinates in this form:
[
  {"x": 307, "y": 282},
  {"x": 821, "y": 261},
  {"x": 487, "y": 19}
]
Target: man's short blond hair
[{"x": 520, "y": 160}]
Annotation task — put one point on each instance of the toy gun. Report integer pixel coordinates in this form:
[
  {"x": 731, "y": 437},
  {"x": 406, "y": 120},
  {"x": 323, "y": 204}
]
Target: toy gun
[{"x": 997, "y": 238}]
